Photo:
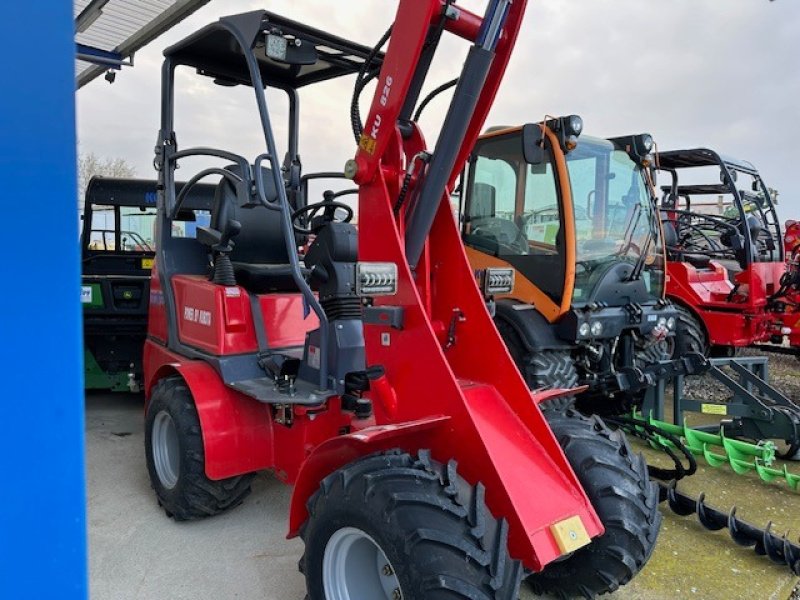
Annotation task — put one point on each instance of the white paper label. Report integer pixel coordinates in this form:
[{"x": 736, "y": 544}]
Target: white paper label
[
  {"x": 314, "y": 357},
  {"x": 86, "y": 294}
]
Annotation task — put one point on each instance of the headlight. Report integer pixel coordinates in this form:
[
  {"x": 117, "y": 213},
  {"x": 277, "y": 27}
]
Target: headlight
[
  {"x": 662, "y": 322},
  {"x": 574, "y": 125},
  {"x": 376, "y": 279},
  {"x": 498, "y": 281},
  {"x": 583, "y": 330},
  {"x": 647, "y": 143},
  {"x": 597, "y": 328},
  {"x": 671, "y": 323}
]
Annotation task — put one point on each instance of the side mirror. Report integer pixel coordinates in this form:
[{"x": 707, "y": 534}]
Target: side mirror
[
  {"x": 755, "y": 186},
  {"x": 532, "y": 144}
]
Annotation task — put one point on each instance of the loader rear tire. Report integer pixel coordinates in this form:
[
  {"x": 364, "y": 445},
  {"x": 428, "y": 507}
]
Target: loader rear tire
[
  {"x": 176, "y": 457},
  {"x": 546, "y": 369},
  {"x": 392, "y": 525},
  {"x": 616, "y": 481},
  {"x": 690, "y": 334}
]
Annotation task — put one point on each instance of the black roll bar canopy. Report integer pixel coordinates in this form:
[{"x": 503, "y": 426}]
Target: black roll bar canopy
[{"x": 214, "y": 52}]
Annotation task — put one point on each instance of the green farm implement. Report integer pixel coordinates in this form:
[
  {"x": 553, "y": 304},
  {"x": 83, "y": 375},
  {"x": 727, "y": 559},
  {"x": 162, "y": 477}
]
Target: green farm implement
[{"x": 758, "y": 426}]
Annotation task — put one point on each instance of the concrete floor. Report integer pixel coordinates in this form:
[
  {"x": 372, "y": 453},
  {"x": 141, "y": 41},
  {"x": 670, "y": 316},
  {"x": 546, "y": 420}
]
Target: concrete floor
[{"x": 136, "y": 552}]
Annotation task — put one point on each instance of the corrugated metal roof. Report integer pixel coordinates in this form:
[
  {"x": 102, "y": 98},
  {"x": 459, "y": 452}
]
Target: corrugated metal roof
[{"x": 123, "y": 26}]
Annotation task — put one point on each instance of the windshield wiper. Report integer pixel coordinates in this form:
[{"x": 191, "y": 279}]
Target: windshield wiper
[{"x": 643, "y": 252}]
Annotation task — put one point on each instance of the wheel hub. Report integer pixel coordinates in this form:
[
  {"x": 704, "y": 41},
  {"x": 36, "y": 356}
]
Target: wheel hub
[
  {"x": 355, "y": 567},
  {"x": 165, "y": 447}
]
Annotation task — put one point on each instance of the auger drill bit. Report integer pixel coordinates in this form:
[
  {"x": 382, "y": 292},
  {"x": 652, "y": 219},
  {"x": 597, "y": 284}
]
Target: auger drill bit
[
  {"x": 779, "y": 550},
  {"x": 718, "y": 450}
]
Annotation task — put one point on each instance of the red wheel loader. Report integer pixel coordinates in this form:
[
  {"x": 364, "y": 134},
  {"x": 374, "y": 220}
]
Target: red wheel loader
[
  {"x": 363, "y": 367},
  {"x": 725, "y": 258}
]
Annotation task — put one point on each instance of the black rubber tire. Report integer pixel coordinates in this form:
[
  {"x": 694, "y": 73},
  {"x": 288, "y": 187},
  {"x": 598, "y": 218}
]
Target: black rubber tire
[
  {"x": 791, "y": 453},
  {"x": 723, "y": 351},
  {"x": 546, "y": 369},
  {"x": 653, "y": 352},
  {"x": 690, "y": 334},
  {"x": 431, "y": 524},
  {"x": 617, "y": 483},
  {"x": 194, "y": 495}
]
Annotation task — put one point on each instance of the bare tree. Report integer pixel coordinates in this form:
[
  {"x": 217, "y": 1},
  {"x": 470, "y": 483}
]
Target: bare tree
[{"x": 89, "y": 165}]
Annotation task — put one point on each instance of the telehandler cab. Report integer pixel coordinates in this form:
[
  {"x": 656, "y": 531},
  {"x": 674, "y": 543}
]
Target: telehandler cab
[
  {"x": 564, "y": 234},
  {"x": 358, "y": 370}
]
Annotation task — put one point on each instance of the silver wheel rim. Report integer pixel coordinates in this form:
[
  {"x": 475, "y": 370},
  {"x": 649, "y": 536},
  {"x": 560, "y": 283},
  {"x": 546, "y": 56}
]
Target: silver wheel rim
[
  {"x": 166, "y": 453},
  {"x": 355, "y": 568}
]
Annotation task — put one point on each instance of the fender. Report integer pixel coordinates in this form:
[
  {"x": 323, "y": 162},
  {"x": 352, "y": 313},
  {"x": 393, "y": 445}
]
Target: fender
[
  {"x": 237, "y": 431},
  {"x": 533, "y": 329},
  {"x": 337, "y": 452}
]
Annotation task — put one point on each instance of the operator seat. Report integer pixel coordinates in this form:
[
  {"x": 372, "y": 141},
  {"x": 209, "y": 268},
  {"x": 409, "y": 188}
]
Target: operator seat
[
  {"x": 259, "y": 256},
  {"x": 699, "y": 261},
  {"x": 482, "y": 208}
]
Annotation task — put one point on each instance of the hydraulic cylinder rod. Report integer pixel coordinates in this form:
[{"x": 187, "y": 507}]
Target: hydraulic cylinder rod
[{"x": 462, "y": 107}]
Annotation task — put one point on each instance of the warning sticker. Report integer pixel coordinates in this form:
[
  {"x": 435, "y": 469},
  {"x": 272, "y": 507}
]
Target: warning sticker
[
  {"x": 367, "y": 144},
  {"x": 86, "y": 294},
  {"x": 314, "y": 357},
  {"x": 714, "y": 409}
]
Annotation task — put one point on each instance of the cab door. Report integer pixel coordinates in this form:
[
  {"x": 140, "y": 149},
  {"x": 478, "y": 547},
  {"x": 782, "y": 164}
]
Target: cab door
[{"x": 520, "y": 215}]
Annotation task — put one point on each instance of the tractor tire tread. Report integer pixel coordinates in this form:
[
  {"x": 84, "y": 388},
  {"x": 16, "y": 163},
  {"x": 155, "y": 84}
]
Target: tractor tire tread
[
  {"x": 545, "y": 369},
  {"x": 195, "y": 496},
  {"x": 425, "y": 509},
  {"x": 616, "y": 481},
  {"x": 690, "y": 335}
]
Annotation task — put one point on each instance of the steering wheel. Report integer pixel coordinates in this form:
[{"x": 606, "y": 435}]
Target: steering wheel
[
  {"x": 329, "y": 205},
  {"x": 505, "y": 232},
  {"x": 693, "y": 237}
]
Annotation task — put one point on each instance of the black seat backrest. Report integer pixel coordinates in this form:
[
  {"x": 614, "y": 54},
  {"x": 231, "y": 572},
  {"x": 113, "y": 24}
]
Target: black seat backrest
[
  {"x": 483, "y": 201},
  {"x": 670, "y": 233},
  {"x": 261, "y": 239}
]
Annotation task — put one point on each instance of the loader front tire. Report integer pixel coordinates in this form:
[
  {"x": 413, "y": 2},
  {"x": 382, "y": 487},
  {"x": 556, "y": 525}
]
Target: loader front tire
[
  {"x": 392, "y": 525},
  {"x": 176, "y": 458},
  {"x": 617, "y": 484}
]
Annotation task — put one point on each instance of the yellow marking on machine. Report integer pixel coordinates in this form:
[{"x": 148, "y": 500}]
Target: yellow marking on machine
[
  {"x": 570, "y": 534},
  {"x": 367, "y": 144},
  {"x": 713, "y": 409},
  {"x": 147, "y": 263}
]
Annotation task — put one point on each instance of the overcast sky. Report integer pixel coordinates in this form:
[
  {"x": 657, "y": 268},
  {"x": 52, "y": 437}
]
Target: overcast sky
[{"x": 717, "y": 73}]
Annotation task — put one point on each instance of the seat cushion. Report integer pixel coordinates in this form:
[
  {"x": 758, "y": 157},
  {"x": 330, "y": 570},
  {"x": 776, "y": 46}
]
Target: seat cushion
[
  {"x": 699, "y": 261},
  {"x": 263, "y": 279}
]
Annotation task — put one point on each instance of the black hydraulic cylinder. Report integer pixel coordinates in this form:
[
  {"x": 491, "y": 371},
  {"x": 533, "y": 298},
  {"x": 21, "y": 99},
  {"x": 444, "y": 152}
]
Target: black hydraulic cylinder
[{"x": 465, "y": 97}]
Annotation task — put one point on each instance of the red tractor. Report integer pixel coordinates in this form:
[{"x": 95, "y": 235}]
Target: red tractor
[
  {"x": 363, "y": 366},
  {"x": 791, "y": 249},
  {"x": 725, "y": 269}
]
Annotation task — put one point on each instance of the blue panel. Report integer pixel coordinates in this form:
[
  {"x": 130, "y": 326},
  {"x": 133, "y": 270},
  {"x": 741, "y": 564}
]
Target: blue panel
[
  {"x": 42, "y": 504},
  {"x": 98, "y": 56}
]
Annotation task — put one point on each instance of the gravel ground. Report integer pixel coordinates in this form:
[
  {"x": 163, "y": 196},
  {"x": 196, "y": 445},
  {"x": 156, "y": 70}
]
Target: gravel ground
[{"x": 783, "y": 374}]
